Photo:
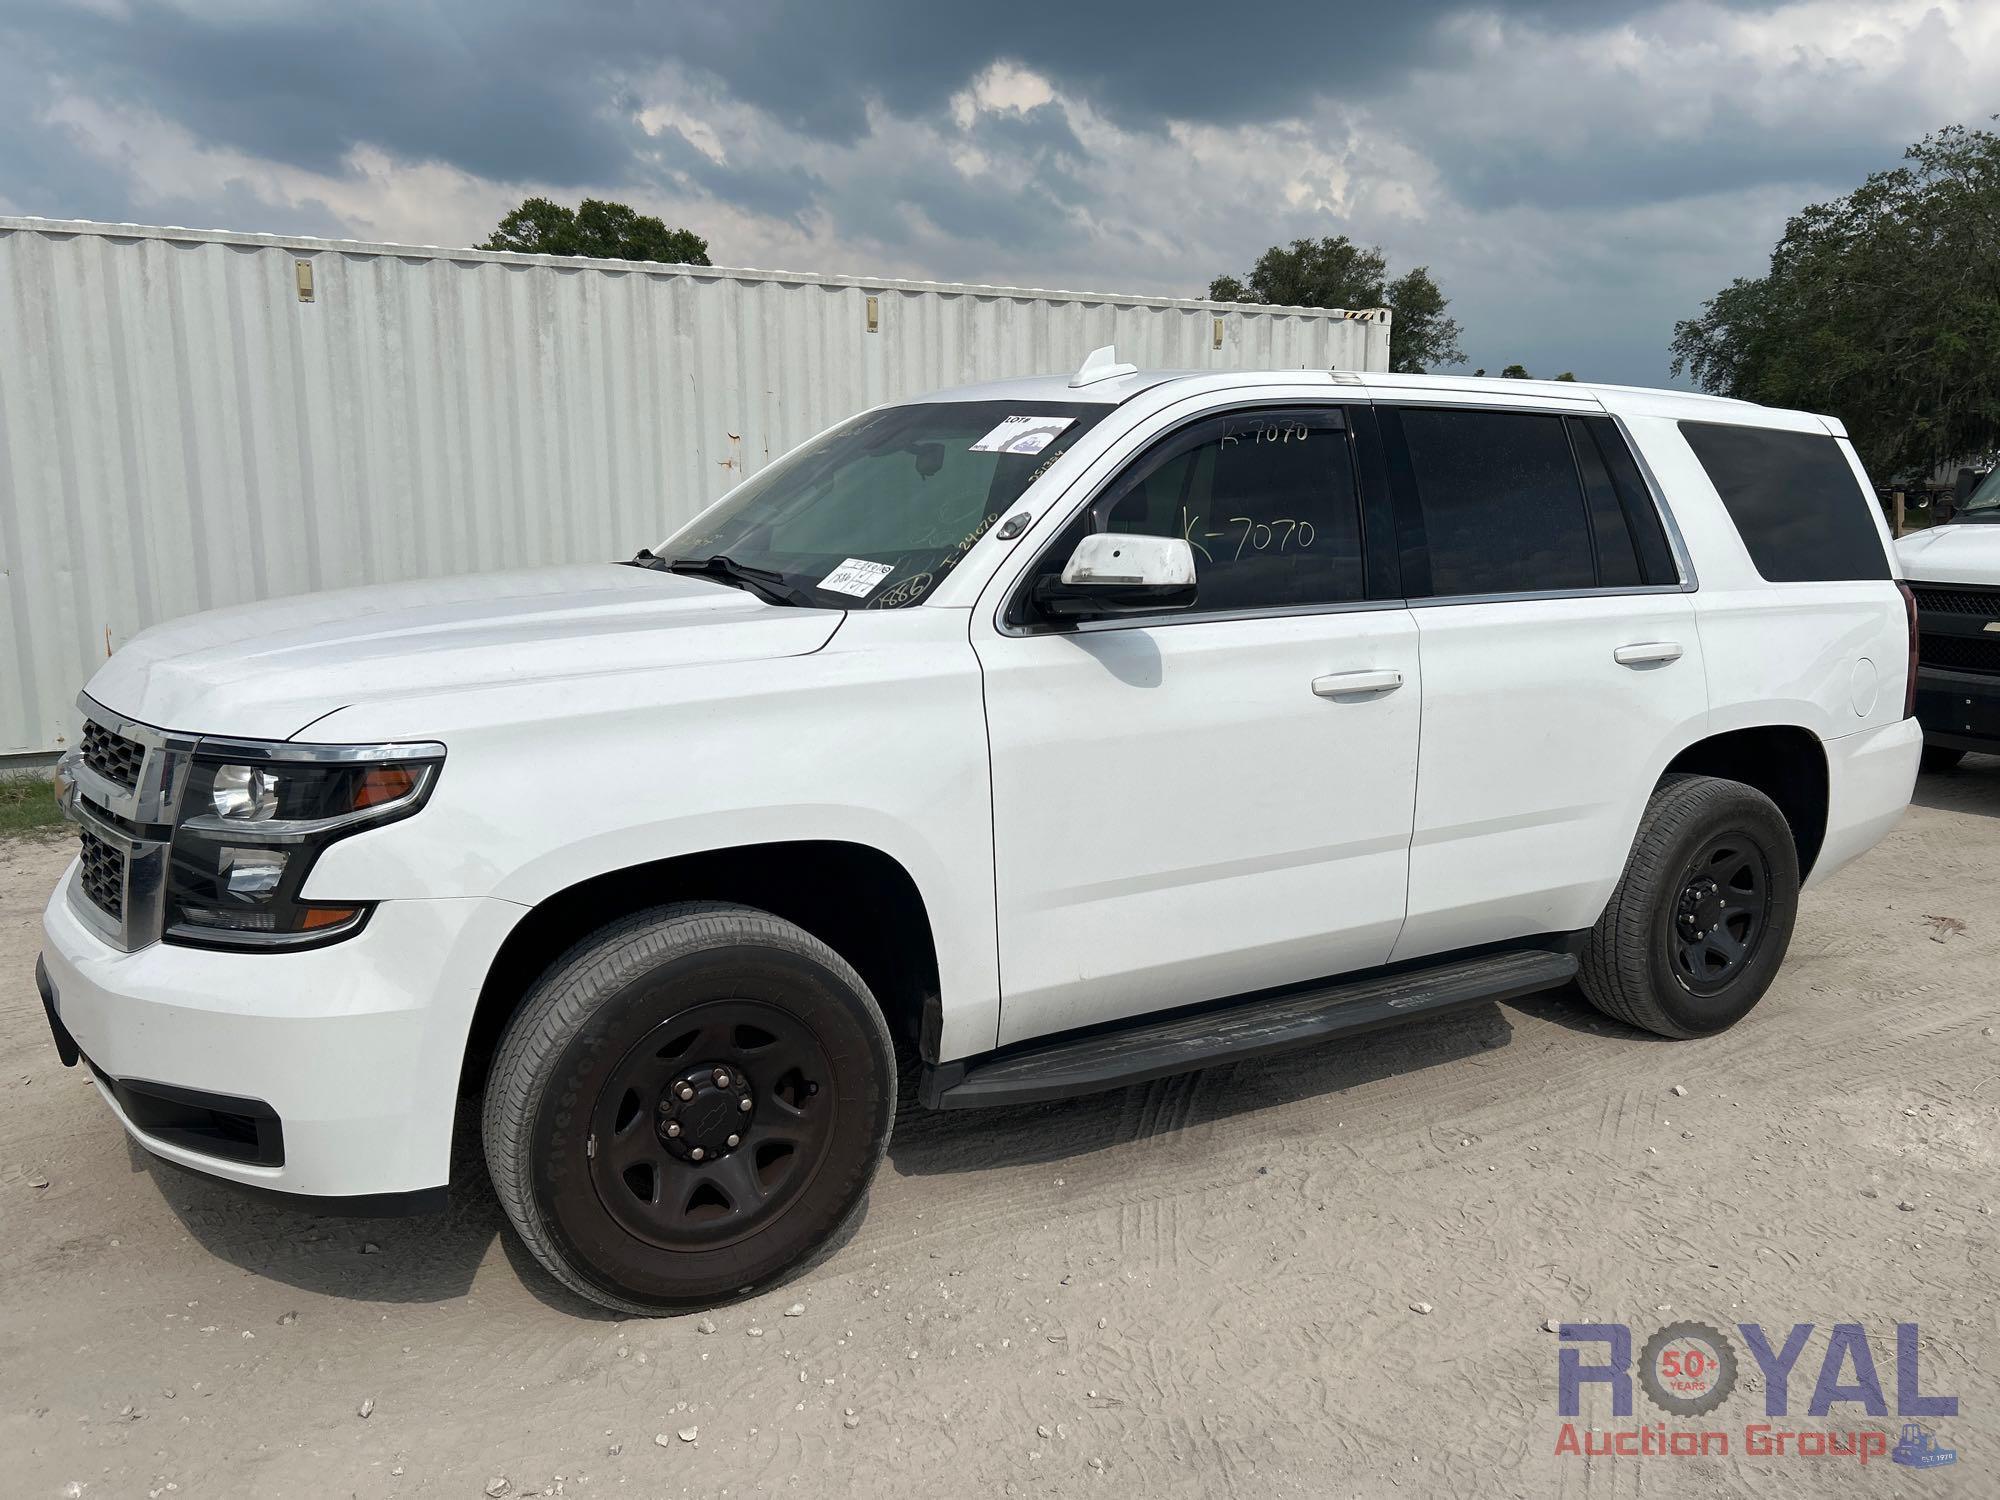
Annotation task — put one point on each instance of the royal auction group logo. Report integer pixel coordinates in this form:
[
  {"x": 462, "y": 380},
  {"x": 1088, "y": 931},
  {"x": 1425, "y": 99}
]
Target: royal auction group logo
[{"x": 1689, "y": 1370}]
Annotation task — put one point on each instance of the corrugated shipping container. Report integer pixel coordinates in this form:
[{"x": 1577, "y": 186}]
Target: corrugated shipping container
[{"x": 191, "y": 419}]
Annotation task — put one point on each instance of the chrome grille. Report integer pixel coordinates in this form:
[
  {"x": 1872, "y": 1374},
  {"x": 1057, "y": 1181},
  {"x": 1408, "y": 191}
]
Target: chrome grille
[
  {"x": 112, "y": 756},
  {"x": 103, "y": 876}
]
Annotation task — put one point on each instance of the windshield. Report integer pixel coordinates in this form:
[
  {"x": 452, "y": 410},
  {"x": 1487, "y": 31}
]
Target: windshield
[
  {"x": 1983, "y": 504},
  {"x": 872, "y": 514}
]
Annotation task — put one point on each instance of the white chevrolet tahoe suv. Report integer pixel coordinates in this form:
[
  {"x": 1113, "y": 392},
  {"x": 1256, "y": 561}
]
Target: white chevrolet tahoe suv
[
  {"x": 1074, "y": 730},
  {"x": 1954, "y": 572}
]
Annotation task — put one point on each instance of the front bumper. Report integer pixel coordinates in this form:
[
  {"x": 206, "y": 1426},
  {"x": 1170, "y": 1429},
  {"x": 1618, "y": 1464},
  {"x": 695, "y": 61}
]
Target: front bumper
[
  {"x": 354, "y": 1049},
  {"x": 1959, "y": 710}
]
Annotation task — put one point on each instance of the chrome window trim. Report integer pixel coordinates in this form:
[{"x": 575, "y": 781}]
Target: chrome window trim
[
  {"x": 1676, "y": 543},
  {"x": 1213, "y": 617},
  {"x": 1618, "y": 592}
]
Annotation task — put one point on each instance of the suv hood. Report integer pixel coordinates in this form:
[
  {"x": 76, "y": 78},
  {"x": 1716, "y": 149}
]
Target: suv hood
[
  {"x": 1965, "y": 552},
  {"x": 267, "y": 671}
]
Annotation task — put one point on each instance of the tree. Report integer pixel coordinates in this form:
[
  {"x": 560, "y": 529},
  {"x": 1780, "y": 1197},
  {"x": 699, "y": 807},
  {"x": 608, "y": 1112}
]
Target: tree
[
  {"x": 615, "y": 231},
  {"x": 1878, "y": 308},
  {"x": 1336, "y": 272},
  {"x": 1515, "y": 372}
]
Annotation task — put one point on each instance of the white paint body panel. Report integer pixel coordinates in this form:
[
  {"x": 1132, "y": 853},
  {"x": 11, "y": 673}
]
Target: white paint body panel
[
  {"x": 266, "y": 671},
  {"x": 1539, "y": 753},
  {"x": 1179, "y": 816},
  {"x": 1098, "y": 824},
  {"x": 1968, "y": 552}
]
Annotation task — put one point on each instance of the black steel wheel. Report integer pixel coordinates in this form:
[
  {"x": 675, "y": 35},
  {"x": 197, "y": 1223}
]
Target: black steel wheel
[
  {"x": 1701, "y": 918},
  {"x": 687, "y": 1106},
  {"x": 1721, "y": 914},
  {"x": 712, "y": 1124}
]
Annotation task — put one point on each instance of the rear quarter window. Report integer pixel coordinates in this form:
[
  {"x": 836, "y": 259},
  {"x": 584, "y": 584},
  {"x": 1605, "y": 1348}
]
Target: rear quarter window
[{"x": 1794, "y": 501}]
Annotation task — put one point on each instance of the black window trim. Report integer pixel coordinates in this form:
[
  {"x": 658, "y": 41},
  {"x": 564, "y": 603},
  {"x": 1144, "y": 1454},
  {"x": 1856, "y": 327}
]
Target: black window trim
[
  {"x": 1372, "y": 514},
  {"x": 1411, "y": 523}
]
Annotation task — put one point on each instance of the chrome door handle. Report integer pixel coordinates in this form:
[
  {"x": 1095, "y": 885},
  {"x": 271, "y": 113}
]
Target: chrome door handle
[
  {"x": 1639, "y": 654},
  {"x": 1344, "y": 684}
]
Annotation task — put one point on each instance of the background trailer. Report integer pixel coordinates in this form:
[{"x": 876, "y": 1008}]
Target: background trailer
[{"x": 192, "y": 419}]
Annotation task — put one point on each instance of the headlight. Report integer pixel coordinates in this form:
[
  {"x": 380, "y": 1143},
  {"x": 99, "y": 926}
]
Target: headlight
[{"x": 255, "y": 819}]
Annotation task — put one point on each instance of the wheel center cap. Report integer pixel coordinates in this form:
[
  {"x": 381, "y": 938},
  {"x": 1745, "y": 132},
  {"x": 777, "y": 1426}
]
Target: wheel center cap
[
  {"x": 1700, "y": 907},
  {"x": 705, "y": 1112}
]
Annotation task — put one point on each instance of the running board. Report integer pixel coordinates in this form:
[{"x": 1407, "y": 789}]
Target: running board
[{"x": 1255, "y": 1028}]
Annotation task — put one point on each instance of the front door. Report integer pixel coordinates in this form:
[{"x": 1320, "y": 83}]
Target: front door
[{"x": 1219, "y": 800}]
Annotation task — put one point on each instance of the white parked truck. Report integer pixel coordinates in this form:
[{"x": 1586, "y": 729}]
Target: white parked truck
[
  {"x": 1075, "y": 731},
  {"x": 1954, "y": 572}
]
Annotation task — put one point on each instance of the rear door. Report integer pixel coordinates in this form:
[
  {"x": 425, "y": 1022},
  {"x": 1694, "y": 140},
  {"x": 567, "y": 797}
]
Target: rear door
[
  {"x": 1215, "y": 800},
  {"x": 1561, "y": 663}
]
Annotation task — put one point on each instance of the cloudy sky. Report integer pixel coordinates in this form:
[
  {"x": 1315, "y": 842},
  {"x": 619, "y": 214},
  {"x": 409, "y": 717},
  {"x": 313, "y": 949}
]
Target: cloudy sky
[{"x": 1577, "y": 173}]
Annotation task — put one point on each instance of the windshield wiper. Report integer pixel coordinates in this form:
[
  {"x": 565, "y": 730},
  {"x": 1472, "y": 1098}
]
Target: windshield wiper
[{"x": 766, "y": 584}]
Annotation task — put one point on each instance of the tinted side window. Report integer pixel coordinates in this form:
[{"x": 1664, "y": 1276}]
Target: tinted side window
[
  {"x": 1794, "y": 501},
  {"x": 1610, "y": 536},
  {"x": 1642, "y": 516},
  {"x": 1502, "y": 506},
  {"x": 1266, "y": 499}
]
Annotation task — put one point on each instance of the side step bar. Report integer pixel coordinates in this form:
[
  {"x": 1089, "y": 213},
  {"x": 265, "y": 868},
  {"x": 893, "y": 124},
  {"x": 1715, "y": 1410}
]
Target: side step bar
[{"x": 1152, "y": 1048}]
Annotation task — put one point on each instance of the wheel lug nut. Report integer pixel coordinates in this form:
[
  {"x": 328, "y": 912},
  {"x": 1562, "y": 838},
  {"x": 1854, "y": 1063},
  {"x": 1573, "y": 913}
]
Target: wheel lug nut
[
  {"x": 686, "y": 1091},
  {"x": 744, "y": 1104},
  {"x": 673, "y": 1127},
  {"x": 722, "y": 1078},
  {"x": 696, "y": 1153},
  {"x": 736, "y": 1140}
]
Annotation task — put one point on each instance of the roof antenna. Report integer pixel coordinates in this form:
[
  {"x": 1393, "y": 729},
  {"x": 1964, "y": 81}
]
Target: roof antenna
[{"x": 1100, "y": 364}]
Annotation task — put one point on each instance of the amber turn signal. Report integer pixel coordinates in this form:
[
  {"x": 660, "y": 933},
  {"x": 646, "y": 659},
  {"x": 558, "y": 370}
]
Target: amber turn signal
[
  {"x": 380, "y": 784},
  {"x": 316, "y": 917}
]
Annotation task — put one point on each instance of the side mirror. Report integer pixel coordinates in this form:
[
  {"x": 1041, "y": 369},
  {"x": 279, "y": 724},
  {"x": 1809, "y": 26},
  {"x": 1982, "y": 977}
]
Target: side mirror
[{"x": 1114, "y": 574}]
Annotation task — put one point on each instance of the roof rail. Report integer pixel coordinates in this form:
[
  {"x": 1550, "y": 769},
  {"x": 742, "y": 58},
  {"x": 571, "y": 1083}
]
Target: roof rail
[{"x": 1100, "y": 364}]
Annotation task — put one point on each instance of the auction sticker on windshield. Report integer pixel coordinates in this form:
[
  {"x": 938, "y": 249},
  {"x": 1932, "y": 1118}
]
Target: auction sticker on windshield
[
  {"x": 856, "y": 576},
  {"x": 1022, "y": 435}
]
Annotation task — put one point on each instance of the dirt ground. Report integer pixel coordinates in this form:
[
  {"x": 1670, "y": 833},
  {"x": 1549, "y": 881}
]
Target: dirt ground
[{"x": 1209, "y": 1285}]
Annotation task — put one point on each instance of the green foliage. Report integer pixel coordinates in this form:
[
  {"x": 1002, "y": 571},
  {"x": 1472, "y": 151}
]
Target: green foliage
[
  {"x": 1515, "y": 372},
  {"x": 1879, "y": 308},
  {"x": 614, "y": 231},
  {"x": 28, "y": 805},
  {"x": 1336, "y": 272}
]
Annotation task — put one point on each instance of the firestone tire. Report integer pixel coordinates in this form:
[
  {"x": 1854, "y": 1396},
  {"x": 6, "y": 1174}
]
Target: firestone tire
[
  {"x": 688, "y": 1106},
  {"x": 1700, "y": 920}
]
